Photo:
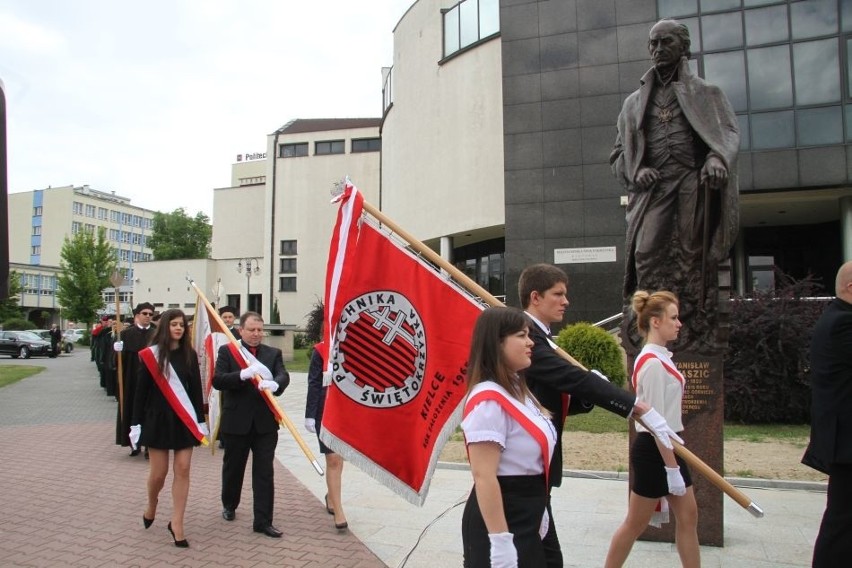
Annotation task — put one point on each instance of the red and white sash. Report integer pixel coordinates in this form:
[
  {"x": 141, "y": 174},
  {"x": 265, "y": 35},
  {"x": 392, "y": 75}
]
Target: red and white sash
[
  {"x": 634, "y": 380},
  {"x": 522, "y": 414},
  {"x": 173, "y": 391},
  {"x": 244, "y": 358}
]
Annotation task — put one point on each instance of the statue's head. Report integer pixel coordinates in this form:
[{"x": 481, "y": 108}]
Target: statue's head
[{"x": 668, "y": 42}]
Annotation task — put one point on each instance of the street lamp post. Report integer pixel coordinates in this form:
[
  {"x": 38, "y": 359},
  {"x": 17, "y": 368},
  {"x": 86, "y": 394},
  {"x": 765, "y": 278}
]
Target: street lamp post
[{"x": 252, "y": 266}]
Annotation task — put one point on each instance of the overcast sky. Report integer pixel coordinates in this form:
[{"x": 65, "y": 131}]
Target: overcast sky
[{"x": 154, "y": 100}]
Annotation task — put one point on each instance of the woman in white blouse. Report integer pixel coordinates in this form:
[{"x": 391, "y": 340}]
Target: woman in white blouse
[
  {"x": 509, "y": 440},
  {"x": 657, "y": 472}
]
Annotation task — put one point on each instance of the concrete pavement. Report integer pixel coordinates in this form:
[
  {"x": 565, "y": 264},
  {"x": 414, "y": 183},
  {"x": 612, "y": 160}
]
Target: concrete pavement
[{"x": 73, "y": 498}]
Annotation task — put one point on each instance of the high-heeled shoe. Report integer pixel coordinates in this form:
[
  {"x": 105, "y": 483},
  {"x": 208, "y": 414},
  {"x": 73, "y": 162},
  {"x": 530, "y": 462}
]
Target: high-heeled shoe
[
  {"x": 328, "y": 509},
  {"x": 179, "y": 543},
  {"x": 146, "y": 521},
  {"x": 341, "y": 526}
]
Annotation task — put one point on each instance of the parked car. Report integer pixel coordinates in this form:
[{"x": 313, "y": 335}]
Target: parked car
[
  {"x": 24, "y": 344},
  {"x": 65, "y": 346},
  {"x": 72, "y": 335}
]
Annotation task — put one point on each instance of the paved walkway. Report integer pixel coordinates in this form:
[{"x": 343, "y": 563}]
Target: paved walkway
[{"x": 73, "y": 498}]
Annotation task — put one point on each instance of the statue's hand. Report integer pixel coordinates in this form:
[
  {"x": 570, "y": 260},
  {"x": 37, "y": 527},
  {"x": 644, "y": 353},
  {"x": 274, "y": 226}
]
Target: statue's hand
[
  {"x": 714, "y": 174},
  {"x": 646, "y": 178}
]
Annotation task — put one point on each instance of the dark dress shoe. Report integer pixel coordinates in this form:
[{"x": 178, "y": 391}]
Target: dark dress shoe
[
  {"x": 228, "y": 514},
  {"x": 134, "y": 453},
  {"x": 269, "y": 530}
]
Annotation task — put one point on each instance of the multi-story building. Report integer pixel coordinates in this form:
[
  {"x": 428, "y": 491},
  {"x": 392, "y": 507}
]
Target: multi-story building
[
  {"x": 41, "y": 220},
  {"x": 500, "y": 117}
]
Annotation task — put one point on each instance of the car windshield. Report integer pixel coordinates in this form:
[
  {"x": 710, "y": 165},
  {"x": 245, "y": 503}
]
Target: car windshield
[{"x": 28, "y": 336}]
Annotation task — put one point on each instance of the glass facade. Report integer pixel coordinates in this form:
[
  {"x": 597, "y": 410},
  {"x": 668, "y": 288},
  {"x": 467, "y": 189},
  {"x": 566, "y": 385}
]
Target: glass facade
[{"x": 785, "y": 65}]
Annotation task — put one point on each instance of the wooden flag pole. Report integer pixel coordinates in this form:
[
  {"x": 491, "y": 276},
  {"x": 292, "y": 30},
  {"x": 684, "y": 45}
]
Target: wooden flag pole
[
  {"x": 116, "y": 279},
  {"x": 285, "y": 420},
  {"x": 694, "y": 461}
]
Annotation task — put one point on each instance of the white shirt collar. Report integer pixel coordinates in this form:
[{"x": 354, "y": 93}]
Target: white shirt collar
[
  {"x": 659, "y": 349},
  {"x": 544, "y": 328}
]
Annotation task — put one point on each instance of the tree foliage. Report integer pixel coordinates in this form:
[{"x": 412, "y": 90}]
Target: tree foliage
[
  {"x": 87, "y": 263},
  {"x": 766, "y": 366},
  {"x": 313, "y": 330},
  {"x": 9, "y": 307},
  {"x": 595, "y": 349},
  {"x": 176, "y": 235}
]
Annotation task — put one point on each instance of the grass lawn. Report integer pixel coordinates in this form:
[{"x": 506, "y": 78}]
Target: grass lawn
[
  {"x": 598, "y": 421},
  {"x": 301, "y": 361},
  {"x": 13, "y": 373}
]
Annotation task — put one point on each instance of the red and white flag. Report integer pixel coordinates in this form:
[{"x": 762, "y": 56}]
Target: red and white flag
[
  {"x": 398, "y": 334},
  {"x": 208, "y": 336}
]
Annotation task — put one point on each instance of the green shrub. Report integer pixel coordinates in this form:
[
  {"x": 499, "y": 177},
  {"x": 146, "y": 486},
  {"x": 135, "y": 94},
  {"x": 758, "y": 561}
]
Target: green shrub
[
  {"x": 595, "y": 349},
  {"x": 17, "y": 324},
  {"x": 301, "y": 341},
  {"x": 766, "y": 365}
]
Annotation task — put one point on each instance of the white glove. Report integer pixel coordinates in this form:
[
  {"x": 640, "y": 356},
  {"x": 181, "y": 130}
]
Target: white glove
[
  {"x": 311, "y": 425},
  {"x": 660, "y": 428},
  {"x": 248, "y": 373},
  {"x": 135, "y": 433},
  {"x": 204, "y": 429},
  {"x": 263, "y": 371},
  {"x": 675, "y": 481},
  {"x": 601, "y": 375},
  {"x": 503, "y": 551},
  {"x": 118, "y": 346},
  {"x": 265, "y": 384}
]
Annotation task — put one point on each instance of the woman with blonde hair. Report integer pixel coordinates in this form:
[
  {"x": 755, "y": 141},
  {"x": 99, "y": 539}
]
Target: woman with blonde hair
[
  {"x": 657, "y": 473},
  {"x": 510, "y": 440}
]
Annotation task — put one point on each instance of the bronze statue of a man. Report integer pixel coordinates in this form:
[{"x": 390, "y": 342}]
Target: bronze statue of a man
[{"x": 676, "y": 154}]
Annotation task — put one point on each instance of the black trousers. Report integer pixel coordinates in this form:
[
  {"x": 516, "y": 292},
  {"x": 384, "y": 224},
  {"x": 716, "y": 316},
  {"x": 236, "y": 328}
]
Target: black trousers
[
  {"x": 237, "y": 448},
  {"x": 524, "y": 502},
  {"x": 833, "y": 548},
  {"x": 552, "y": 548}
]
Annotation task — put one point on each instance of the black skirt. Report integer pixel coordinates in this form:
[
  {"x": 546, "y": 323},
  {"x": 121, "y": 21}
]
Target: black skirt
[
  {"x": 649, "y": 469},
  {"x": 524, "y": 503}
]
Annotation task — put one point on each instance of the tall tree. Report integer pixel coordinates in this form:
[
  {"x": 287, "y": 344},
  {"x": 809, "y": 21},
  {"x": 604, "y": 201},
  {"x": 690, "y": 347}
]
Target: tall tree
[
  {"x": 9, "y": 307},
  {"x": 176, "y": 235},
  {"x": 87, "y": 264}
]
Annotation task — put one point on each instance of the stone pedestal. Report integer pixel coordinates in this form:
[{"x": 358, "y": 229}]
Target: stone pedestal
[{"x": 703, "y": 422}]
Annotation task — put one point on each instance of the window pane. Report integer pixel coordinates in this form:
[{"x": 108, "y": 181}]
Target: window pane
[
  {"x": 451, "y": 31},
  {"x": 813, "y": 18},
  {"x": 770, "y": 84},
  {"x": 745, "y": 138},
  {"x": 694, "y": 33},
  {"x": 672, "y": 8},
  {"x": 469, "y": 22},
  {"x": 718, "y": 5},
  {"x": 817, "y": 72},
  {"x": 772, "y": 130},
  {"x": 846, "y": 12},
  {"x": 766, "y": 25},
  {"x": 819, "y": 126},
  {"x": 848, "y": 67},
  {"x": 848, "y": 110},
  {"x": 722, "y": 30},
  {"x": 727, "y": 71},
  {"x": 761, "y": 2},
  {"x": 489, "y": 17}
]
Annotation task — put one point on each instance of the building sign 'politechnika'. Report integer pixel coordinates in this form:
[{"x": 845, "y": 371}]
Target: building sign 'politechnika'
[
  {"x": 583, "y": 255},
  {"x": 251, "y": 156}
]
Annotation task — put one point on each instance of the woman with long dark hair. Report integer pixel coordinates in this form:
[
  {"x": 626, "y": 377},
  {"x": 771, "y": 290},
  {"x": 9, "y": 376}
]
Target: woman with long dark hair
[
  {"x": 510, "y": 440},
  {"x": 168, "y": 415}
]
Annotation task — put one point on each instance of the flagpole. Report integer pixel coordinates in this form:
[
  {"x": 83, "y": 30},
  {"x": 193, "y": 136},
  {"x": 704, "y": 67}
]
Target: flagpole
[
  {"x": 285, "y": 420},
  {"x": 463, "y": 279},
  {"x": 116, "y": 280}
]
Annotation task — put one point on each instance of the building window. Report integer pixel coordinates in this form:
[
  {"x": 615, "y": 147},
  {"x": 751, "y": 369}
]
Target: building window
[
  {"x": 287, "y": 284},
  {"x": 366, "y": 145},
  {"x": 37, "y": 211},
  {"x": 76, "y": 226},
  {"x": 287, "y": 265},
  {"x": 35, "y": 250},
  {"x": 234, "y": 301},
  {"x": 37, "y": 230},
  {"x": 468, "y": 22},
  {"x": 113, "y": 216},
  {"x": 89, "y": 228},
  {"x": 77, "y": 208},
  {"x": 329, "y": 147},
  {"x": 288, "y": 248},
  {"x": 90, "y": 211},
  {"x": 102, "y": 213},
  {"x": 293, "y": 150}
]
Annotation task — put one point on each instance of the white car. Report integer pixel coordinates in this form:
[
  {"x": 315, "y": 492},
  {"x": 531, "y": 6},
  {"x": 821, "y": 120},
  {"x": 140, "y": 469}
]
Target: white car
[{"x": 72, "y": 335}]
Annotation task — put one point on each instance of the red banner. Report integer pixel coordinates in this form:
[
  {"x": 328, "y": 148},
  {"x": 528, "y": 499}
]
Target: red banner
[{"x": 400, "y": 336}]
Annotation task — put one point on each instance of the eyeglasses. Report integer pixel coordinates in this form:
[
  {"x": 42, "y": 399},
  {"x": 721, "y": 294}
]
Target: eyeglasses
[{"x": 149, "y": 314}]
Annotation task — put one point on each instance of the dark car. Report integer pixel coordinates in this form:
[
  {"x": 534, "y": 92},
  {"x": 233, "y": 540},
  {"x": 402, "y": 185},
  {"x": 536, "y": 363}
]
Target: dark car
[
  {"x": 65, "y": 346},
  {"x": 24, "y": 344}
]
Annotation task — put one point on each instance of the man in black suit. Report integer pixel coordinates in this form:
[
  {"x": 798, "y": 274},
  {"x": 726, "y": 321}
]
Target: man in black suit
[
  {"x": 561, "y": 386},
  {"x": 247, "y": 423},
  {"x": 228, "y": 315},
  {"x": 830, "y": 448},
  {"x": 130, "y": 342}
]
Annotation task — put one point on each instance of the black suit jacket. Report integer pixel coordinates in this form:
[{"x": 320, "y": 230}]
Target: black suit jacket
[
  {"x": 549, "y": 376},
  {"x": 243, "y": 404},
  {"x": 831, "y": 389}
]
